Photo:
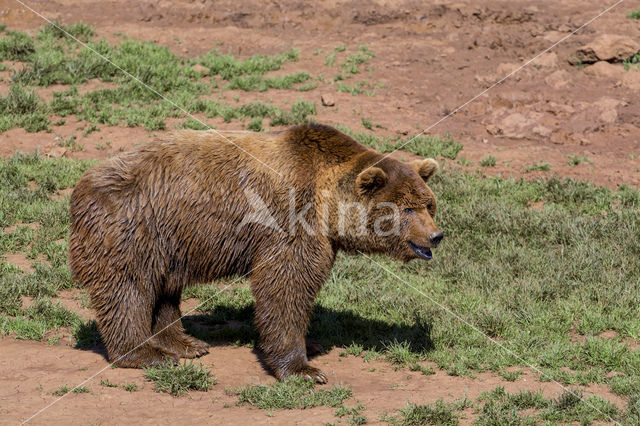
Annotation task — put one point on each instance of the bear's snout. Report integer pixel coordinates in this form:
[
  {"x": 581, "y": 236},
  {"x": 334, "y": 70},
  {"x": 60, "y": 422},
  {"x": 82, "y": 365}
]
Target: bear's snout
[{"x": 435, "y": 238}]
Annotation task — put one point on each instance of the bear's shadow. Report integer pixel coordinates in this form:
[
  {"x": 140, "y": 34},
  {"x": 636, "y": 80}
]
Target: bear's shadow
[
  {"x": 330, "y": 328},
  {"x": 226, "y": 326}
]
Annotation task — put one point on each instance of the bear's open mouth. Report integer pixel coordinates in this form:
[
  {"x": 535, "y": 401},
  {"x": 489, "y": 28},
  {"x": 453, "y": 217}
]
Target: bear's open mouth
[{"x": 424, "y": 252}]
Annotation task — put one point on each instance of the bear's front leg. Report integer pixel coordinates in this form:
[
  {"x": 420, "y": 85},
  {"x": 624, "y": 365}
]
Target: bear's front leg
[{"x": 284, "y": 291}]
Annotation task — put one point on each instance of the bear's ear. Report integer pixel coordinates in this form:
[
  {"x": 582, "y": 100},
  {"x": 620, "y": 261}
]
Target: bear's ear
[
  {"x": 370, "y": 180},
  {"x": 425, "y": 168}
]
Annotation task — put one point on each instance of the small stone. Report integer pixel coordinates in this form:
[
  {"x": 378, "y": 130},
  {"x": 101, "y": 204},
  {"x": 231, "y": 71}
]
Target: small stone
[
  {"x": 327, "y": 100},
  {"x": 492, "y": 129}
]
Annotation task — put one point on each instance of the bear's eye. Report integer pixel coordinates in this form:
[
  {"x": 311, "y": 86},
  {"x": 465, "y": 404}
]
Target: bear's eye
[{"x": 408, "y": 211}]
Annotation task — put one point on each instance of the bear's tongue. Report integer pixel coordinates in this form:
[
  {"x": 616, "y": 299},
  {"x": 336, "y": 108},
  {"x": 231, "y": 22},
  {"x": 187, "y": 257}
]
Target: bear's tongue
[{"x": 424, "y": 252}]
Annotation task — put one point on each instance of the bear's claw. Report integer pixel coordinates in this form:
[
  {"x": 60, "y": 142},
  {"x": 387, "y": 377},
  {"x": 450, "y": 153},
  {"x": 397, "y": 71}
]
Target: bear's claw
[
  {"x": 313, "y": 373},
  {"x": 195, "y": 348}
]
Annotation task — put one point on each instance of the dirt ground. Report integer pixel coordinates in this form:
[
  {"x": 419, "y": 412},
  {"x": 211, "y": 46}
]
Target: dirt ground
[
  {"x": 30, "y": 371},
  {"x": 431, "y": 57}
]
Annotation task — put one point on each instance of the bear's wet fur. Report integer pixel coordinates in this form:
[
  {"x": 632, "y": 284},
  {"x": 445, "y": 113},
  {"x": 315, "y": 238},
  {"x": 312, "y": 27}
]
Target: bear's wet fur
[{"x": 173, "y": 213}]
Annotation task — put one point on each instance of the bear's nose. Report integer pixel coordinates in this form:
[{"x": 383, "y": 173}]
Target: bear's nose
[{"x": 435, "y": 238}]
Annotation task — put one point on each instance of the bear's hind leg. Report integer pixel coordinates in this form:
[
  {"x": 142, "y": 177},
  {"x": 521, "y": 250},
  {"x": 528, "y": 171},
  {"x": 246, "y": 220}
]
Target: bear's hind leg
[
  {"x": 169, "y": 334},
  {"x": 124, "y": 320}
]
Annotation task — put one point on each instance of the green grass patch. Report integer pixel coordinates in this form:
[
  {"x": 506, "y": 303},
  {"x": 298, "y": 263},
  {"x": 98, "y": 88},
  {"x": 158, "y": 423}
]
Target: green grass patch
[
  {"x": 258, "y": 83},
  {"x": 107, "y": 383},
  {"x": 634, "y": 14},
  {"x": 358, "y": 88},
  {"x": 23, "y": 108},
  {"x": 163, "y": 84},
  {"x": 62, "y": 390},
  {"x": 27, "y": 184},
  {"x": 57, "y": 30},
  {"x": 425, "y": 146},
  {"x": 294, "y": 392},
  {"x": 33, "y": 322},
  {"x": 573, "y": 406},
  {"x": 437, "y": 413},
  {"x": 352, "y": 62},
  {"x": 130, "y": 387},
  {"x": 538, "y": 167},
  {"x": 180, "y": 379},
  {"x": 330, "y": 59},
  {"x": 255, "y": 125},
  {"x": 353, "y": 414},
  {"x": 575, "y": 160},
  {"x": 80, "y": 389},
  {"x": 228, "y": 67},
  {"x": 633, "y": 62},
  {"x": 427, "y": 371},
  {"x": 510, "y": 376},
  {"x": 16, "y": 46},
  {"x": 488, "y": 161},
  {"x": 192, "y": 124}
]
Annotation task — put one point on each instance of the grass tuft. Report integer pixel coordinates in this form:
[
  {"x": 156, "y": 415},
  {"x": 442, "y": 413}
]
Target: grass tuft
[
  {"x": 538, "y": 167},
  {"x": 438, "y": 413},
  {"x": 488, "y": 161},
  {"x": 179, "y": 379},
  {"x": 16, "y": 46},
  {"x": 574, "y": 160},
  {"x": 294, "y": 392},
  {"x": 425, "y": 146}
]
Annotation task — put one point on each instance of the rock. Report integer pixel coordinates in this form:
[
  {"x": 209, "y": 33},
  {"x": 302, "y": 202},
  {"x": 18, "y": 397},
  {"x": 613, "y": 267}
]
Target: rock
[
  {"x": 631, "y": 80},
  {"x": 605, "y": 70},
  {"x": 492, "y": 129},
  {"x": 607, "y": 47},
  {"x": 200, "y": 69},
  {"x": 542, "y": 131},
  {"x": 558, "y": 79},
  {"x": 593, "y": 115},
  {"x": 520, "y": 126},
  {"x": 608, "y": 109},
  {"x": 559, "y": 137},
  {"x": 548, "y": 60},
  {"x": 506, "y": 68},
  {"x": 327, "y": 100},
  {"x": 558, "y": 109}
]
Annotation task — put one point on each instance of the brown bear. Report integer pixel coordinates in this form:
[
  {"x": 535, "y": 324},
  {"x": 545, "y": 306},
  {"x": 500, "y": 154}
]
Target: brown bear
[{"x": 200, "y": 205}]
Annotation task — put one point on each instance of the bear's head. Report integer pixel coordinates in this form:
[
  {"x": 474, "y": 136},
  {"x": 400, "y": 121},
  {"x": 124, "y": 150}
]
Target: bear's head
[{"x": 400, "y": 210}]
